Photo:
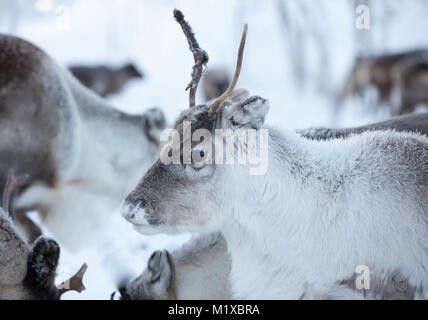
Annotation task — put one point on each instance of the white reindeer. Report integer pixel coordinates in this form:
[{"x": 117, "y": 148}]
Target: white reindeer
[
  {"x": 197, "y": 271},
  {"x": 322, "y": 210},
  {"x": 201, "y": 268},
  {"x": 82, "y": 156}
]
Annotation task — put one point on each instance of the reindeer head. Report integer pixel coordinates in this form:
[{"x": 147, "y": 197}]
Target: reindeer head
[
  {"x": 188, "y": 188},
  {"x": 132, "y": 72},
  {"x": 155, "y": 283}
]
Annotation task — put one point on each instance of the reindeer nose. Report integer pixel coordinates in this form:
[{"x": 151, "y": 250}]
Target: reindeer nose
[
  {"x": 127, "y": 211},
  {"x": 132, "y": 213},
  {"x": 130, "y": 217}
]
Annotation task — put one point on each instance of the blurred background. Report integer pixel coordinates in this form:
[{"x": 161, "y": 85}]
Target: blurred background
[
  {"x": 299, "y": 52},
  {"x": 299, "y": 55}
]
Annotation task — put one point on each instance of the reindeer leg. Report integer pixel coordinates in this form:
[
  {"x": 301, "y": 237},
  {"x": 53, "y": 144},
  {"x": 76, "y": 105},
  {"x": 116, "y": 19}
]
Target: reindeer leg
[{"x": 30, "y": 230}]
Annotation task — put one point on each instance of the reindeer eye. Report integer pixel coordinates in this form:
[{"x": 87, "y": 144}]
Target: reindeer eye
[{"x": 198, "y": 158}]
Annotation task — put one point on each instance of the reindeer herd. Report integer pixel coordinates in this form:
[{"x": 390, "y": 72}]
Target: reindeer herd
[{"x": 331, "y": 200}]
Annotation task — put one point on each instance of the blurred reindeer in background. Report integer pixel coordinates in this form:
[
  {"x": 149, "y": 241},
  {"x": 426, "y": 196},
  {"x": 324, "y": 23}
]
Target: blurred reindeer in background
[
  {"x": 401, "y": 79},
  {"x": 410, "y": 84},
  {"x": 106, "y": 80},
  {"x": 81, "y": 154},
  {"x": 214, "y": 83}
]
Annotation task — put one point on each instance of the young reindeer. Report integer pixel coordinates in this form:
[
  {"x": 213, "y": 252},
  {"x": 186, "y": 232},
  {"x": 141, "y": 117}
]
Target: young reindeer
[
  {"x": 201, "y": 268},
  {"x": 28, "y": 273},
  {"x": 82, "y": 155},
  {"x": 322, "y": 210},
  {"x": 197, "y": 271}
]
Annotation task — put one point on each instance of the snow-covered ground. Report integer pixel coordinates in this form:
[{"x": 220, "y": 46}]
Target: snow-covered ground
[{"x": 117, "y": 31}]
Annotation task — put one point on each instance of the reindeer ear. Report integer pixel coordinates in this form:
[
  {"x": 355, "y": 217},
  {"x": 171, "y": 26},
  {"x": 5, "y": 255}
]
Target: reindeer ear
[
  {"x": 249, "y": 113},
  {"x": 154, "y": 122},
  {"x": 162, "y": 269}
]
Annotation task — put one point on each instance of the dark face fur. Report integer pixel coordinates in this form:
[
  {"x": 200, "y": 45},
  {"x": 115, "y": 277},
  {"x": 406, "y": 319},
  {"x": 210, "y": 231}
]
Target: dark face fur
[
  {"x": 190, "y": 195},
  {"x": 132, "y": 71},
  {"x": 164, "y": 181}
]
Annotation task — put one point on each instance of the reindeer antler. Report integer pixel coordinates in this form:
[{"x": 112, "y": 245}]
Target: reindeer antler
[
  {"x": 11, "y": 184},
  {"x": 232, "y": 86},
  {"x": 200, "y": 56},
  {"x": 75, "y": 283}
]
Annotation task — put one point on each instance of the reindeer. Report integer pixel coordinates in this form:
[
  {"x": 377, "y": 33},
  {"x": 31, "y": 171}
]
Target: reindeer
[
  {"x": 417, "y": 123},
  {"x": 28, "y": 273},
  {"x": 82, "y": 155},
  {"x": 388, "y": 73},
  {"x": 106, "y": 80},
  {"x": 214, "y": 83},
  {"x": 321, "y": 210},
  {"x": 201, "y": 269},
  {"x": 410, "y": 80},
  {"x": 197, "y": 271},
  {"x": 204, "y": 261}
]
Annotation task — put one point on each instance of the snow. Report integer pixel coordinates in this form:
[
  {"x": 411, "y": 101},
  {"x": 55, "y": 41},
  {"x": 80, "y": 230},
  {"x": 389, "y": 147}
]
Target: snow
[{"x": 118, "y": 31}]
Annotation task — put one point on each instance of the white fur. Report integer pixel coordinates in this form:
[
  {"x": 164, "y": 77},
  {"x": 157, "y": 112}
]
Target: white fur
[
  {"x": 322, "y": 209},
  {"x": 202, "y": 269},
  {"x": 290, "y": 238}
]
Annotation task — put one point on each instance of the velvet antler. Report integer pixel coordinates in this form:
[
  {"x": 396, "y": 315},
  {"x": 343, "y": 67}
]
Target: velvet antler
[
  {"x": 200, "y": 56},
  {"x": 232, "y": 86}
]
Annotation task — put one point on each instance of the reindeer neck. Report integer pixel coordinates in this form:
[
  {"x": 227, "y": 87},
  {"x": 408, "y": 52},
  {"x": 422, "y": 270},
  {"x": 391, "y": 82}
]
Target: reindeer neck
[
  {"x": 284, "y": 202},
  {"x": 275, "y": 215},
  {"x": 291, "y": 172},
  {"x": 118, "y": 138}
]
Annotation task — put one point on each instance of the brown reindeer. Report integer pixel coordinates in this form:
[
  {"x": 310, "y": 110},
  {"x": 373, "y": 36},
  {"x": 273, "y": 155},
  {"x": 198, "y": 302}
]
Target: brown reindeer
[
  {"x": 214, "y": 83},
  {"x": 404, "y": 71},
  {"x": 410, "y": 85},
  {"x": 106, "y": 80}
]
